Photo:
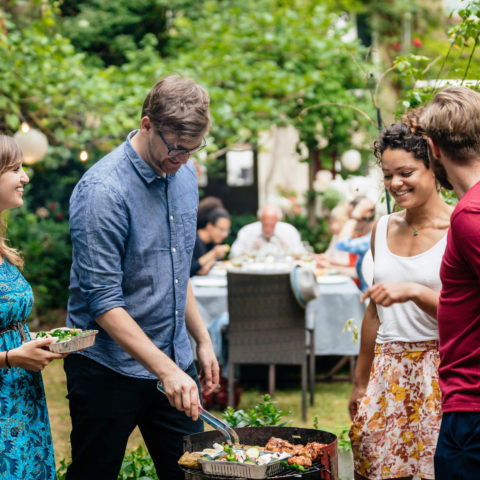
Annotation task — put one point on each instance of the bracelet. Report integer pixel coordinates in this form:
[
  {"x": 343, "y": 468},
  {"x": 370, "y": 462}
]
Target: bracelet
[{"x": 6, "y": 359}]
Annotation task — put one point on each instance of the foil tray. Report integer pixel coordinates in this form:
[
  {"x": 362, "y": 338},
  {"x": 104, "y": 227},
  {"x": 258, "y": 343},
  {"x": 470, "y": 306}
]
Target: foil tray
[
  {"x": 234, "y": 469},
  {"x": 85, "y": 340}
]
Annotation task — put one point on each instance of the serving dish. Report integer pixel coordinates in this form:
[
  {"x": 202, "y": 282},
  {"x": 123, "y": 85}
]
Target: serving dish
[{"x": 68, "y": 339}]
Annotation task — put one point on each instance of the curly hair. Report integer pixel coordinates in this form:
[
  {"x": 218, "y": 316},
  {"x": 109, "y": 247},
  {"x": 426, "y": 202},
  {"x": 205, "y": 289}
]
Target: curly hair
[{"x": 407, "y": 134}]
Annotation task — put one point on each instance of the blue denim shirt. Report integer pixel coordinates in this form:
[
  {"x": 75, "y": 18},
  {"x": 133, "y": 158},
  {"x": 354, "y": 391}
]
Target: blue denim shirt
[{"x": 133, "y": 234}]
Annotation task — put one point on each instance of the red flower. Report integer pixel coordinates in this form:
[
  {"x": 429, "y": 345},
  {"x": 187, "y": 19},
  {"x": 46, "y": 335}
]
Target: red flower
[
  {"x": 396, "y": 46},
  {"x": 52, "y": 206},
  {"x": 59, "y": 216},
  {"x": 417, "y": 42}
]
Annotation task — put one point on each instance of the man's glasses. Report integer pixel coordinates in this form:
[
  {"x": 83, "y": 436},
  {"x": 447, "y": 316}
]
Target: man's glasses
[{"x": 177, "y": 152}]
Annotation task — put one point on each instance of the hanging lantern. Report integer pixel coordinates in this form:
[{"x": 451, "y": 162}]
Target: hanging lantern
[
  {"x": 351, "y": 160},
  {"x": 34, "y": 144}
]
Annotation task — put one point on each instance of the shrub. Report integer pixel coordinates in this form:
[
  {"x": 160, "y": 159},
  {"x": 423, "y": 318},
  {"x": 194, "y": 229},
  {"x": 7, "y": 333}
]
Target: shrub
[
  {"x": 46, "y": 248},
  {"x": 263, "y": 414}
]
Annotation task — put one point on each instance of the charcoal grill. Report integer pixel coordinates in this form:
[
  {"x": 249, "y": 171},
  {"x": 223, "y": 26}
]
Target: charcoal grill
[{"x": 326, "y": 469}]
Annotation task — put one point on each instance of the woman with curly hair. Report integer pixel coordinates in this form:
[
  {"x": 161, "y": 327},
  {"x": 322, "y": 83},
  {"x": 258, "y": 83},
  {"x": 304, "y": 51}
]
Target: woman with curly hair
[{"x": 395, "y": 401}]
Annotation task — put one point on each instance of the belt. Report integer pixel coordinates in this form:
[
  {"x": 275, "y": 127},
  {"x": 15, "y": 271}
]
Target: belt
[{"x": 15, "y": 326}]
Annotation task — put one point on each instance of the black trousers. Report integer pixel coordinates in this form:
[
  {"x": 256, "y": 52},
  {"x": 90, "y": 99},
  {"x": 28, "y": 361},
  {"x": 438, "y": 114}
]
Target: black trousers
[{"x": 105, "y": 408}]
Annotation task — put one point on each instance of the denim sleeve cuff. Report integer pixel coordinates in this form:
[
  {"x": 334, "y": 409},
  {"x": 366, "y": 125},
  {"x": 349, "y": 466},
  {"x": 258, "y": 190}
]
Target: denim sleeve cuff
[{"x": 101, "y": 302}]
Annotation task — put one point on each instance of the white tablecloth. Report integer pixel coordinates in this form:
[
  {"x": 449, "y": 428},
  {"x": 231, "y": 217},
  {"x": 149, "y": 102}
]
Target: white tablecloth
[
  {"x": 333, "y": 307},
  {"x": 335, "y": 304}
]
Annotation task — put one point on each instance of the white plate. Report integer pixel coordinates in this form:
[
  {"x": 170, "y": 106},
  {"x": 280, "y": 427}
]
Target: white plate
[
  {"x": 209, "y": 281},
  {"x": 332, "y": 279}
]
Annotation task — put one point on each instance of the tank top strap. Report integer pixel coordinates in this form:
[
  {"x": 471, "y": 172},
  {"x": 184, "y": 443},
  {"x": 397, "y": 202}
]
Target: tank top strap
[{"x": 381, "y": 234}]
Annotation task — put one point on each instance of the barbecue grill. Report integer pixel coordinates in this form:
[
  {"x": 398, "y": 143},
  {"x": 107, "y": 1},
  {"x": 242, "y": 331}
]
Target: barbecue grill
[{"x": 326, "y": 469}]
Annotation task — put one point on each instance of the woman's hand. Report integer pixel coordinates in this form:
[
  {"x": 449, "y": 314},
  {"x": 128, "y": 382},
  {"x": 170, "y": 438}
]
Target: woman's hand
[
  {"x": 34, "y": 355},
  {"x": 387, "y": 293},
  {"x": 322, "y": 261},
  {"x": 355, "y": 398}
]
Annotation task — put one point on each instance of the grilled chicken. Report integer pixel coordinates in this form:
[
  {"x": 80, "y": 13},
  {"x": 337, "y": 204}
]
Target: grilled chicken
[
  {"x": 314, "y": 450},
  {"x": 301, "y": 455},
  {"x": 303, "y": 460}
]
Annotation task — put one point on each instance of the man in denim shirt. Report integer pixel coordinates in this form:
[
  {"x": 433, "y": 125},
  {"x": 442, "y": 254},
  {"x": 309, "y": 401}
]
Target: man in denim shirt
[{"x": 133, "y": 225}]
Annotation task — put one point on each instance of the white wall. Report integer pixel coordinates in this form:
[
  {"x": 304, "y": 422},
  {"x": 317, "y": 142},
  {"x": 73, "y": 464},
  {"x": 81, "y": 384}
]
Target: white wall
[{"x": 279, "y": 165}]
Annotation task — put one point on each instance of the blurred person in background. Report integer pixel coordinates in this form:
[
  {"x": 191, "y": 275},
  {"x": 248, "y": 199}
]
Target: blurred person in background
[
  {"x": 336, "y": 220},
  {"x": 268, "y": 236},
  {"x": 395, "y": 401},
  {"x": 356, "y": 234},
  {"x": 351, "y": 224},
  {"x": 213, "y": 228}
]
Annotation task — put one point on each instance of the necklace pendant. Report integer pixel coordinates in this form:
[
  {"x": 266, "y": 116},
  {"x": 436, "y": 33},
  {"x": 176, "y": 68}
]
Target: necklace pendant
[{"x": 415, "y": 233}]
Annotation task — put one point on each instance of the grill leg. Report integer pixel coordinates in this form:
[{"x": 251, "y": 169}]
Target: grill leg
[
  {"x": 231, "y": 377},
  {"x": 304, "y": 391},
  {"x": 271, "y": 380}
]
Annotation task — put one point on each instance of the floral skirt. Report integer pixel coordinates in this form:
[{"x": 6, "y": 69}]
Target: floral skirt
[{"x": 395, "y": 430}]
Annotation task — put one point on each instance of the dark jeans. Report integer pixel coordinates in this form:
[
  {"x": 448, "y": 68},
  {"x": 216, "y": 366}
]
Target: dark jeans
[
  {"x": 457, "y": 456},
  {"x": 105, "y": 408}
]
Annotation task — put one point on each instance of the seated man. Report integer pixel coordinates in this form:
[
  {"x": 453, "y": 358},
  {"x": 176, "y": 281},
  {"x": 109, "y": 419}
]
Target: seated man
[{"x": 268, "y": 236}]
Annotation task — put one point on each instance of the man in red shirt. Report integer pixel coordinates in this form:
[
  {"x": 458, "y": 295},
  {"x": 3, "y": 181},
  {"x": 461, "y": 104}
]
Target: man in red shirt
[{"x": 452, "y": 123}]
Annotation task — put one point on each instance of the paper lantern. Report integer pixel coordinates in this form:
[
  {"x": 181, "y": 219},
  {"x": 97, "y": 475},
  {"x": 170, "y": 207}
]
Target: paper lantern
[
  {"x": 34, "y": 144},
  {"x": 351, "y": 160}
]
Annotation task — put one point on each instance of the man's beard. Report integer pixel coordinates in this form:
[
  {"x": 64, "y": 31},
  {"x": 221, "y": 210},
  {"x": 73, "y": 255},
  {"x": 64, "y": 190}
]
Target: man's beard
[{"x": 439, "y": 171}]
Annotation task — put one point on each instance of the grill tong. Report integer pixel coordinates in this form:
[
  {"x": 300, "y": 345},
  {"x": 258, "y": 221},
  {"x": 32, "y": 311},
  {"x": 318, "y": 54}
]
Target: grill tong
[{"x": 229, "y": 433}]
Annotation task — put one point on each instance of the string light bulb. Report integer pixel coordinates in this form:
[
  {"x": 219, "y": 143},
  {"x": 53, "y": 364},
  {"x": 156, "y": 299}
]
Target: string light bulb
[
  {"x": 83, "y": 155},
  {"x": 24, "y": 127}
]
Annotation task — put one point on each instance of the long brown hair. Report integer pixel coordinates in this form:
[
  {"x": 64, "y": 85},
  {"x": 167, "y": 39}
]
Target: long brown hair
[{"x": 10, "y": 158}]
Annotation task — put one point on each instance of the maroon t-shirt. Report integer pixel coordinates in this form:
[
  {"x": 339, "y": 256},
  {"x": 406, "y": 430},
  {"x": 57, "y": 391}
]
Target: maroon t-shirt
[{"x": 459, "y": 308}]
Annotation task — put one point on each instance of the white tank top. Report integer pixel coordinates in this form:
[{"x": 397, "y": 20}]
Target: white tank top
[{"x": 405, "y": 322}]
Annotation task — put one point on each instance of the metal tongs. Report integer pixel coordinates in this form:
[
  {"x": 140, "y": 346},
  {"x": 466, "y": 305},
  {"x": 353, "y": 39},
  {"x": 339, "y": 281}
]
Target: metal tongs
[{"x": 229, "y": 433}]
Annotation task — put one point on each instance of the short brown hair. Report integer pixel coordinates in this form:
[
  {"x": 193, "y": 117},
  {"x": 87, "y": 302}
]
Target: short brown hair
[
  {"x": 452, "y": 121},
  {"x": 11, "y": 157},
  {"x": 178, "y": 106}
]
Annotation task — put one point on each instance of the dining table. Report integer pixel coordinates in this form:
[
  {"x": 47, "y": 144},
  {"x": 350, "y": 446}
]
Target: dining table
[{"x": 336, "y": 313}]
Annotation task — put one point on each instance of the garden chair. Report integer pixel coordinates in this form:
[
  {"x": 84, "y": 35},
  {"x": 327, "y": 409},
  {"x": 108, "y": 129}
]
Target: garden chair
[{"x": 267, "y": 327}]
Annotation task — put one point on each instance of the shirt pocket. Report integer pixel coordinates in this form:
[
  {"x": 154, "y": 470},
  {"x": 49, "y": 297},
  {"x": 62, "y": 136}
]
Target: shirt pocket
[{"x": 189, "y": 222}]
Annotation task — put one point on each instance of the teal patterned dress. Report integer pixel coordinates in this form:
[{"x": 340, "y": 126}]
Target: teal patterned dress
[{"x": 26, "y": 448}]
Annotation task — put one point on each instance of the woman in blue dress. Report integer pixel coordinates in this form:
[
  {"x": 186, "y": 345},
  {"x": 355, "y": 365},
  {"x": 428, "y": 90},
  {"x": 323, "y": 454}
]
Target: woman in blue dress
[{"x": 26, "y": 449}]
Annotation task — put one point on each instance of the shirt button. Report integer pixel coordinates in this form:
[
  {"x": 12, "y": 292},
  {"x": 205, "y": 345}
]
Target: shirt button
[
  {"x": 174, "y": 249},
  {"x": 171, "y": 217},
  {"x": 176, "y": 280},
  {"x": 176, "y": 312}
]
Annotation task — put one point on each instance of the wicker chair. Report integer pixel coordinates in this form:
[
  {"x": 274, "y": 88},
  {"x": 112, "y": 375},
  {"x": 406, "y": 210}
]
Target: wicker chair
[{"x": 267, "y": 326}]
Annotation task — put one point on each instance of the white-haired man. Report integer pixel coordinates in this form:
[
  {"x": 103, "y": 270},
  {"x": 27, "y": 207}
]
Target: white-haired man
[{"x": 267, "y": 236}]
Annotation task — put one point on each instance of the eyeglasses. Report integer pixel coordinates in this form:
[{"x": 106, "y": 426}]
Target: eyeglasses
[
  {"x": 177, "y": 152},
  {"x": 226, "y": 231}
]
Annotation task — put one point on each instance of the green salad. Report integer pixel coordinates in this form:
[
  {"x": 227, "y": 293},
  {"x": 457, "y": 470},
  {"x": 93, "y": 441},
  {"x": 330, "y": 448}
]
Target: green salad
[{"x": 62, "y": 334}]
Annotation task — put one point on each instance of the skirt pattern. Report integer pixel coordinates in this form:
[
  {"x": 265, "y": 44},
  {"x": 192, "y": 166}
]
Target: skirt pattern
[{"x": 395, "y": 430}]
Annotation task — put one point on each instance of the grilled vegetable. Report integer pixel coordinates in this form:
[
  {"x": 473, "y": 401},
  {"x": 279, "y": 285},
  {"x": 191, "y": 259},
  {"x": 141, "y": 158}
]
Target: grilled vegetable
[{"x": 252, "y": 452}]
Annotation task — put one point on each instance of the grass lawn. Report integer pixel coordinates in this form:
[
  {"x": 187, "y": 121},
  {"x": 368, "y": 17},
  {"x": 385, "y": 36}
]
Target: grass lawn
[{"x": 330, "y": 407}]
